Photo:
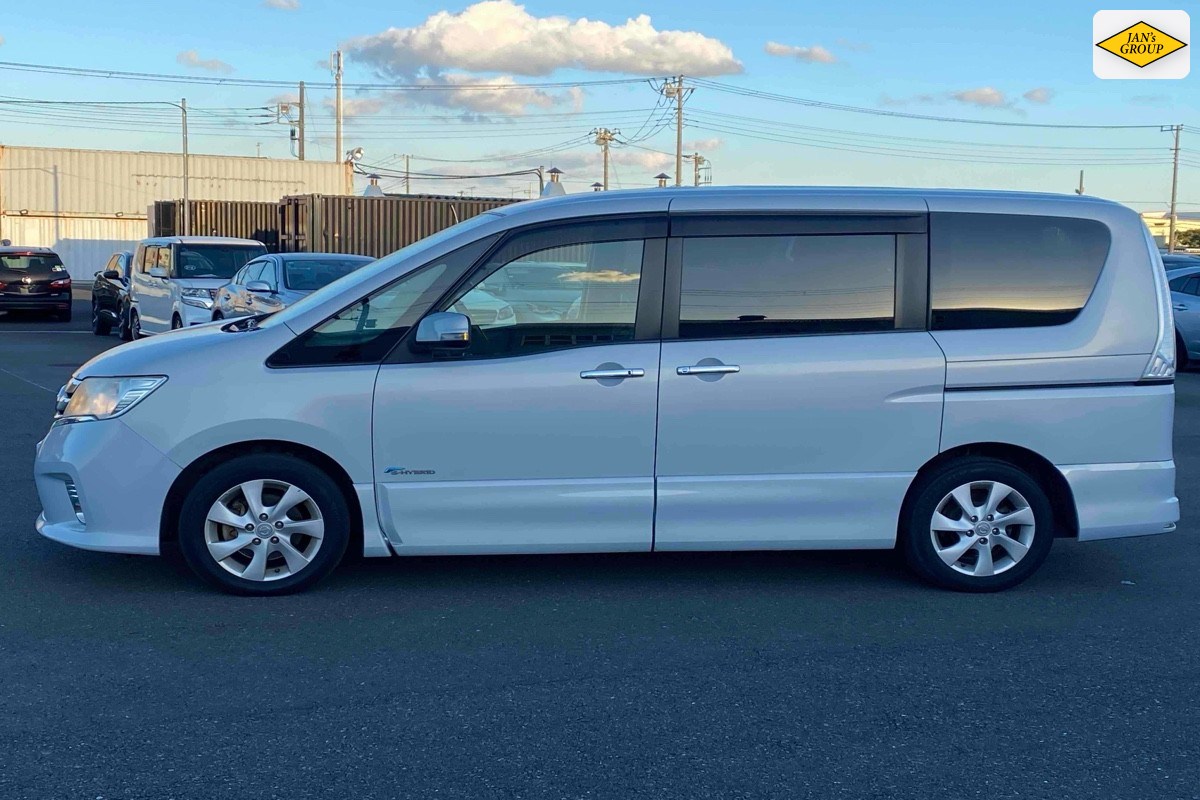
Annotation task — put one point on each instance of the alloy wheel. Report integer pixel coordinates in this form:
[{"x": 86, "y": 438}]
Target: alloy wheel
[
  {"x": 982, "y": 528},
  {"x": 264, "y": 530}
]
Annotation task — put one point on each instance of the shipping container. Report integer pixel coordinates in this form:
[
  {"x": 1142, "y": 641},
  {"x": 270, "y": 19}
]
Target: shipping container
[
  {"x": 371, "y": 226},
  {"x": 241, "y": 219}
]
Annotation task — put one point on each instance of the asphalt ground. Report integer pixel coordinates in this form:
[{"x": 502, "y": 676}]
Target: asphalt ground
[{"x": 750, "y": 675}]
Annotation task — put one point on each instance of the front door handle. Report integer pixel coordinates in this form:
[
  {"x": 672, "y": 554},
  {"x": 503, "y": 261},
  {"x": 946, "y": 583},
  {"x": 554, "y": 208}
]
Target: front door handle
[
  {"x": 1180, "y": 307},
  {"x": 602, "y": 374},
  {"x": 708, "y": 369}
]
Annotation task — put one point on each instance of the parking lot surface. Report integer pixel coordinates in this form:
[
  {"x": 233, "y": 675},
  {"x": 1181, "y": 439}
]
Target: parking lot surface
[{"x": 626, "y": 676}]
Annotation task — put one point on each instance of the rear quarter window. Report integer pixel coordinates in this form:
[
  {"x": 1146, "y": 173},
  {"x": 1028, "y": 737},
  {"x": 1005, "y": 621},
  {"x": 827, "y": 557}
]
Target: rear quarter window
[{"x": 1012, "y": 271}]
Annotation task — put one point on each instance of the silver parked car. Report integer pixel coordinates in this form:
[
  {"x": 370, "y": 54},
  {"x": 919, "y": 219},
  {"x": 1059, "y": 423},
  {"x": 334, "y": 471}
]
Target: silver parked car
[
  {"x": 1185, "y": 302},
  {"x": 964, "y": 376},
  {"x": 273, "y": 282}
]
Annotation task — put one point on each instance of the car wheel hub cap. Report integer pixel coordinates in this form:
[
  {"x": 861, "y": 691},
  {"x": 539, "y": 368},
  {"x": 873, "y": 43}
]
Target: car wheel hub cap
[
  {"x": 982, "y": 548},
  {"x": 264, "y": 530}
]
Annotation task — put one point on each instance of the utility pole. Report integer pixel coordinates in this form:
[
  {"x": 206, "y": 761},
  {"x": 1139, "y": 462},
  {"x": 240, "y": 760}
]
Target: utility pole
[
  {"x": 1176, "y": 129},
  {"x": 1080, "y": 189},
  {"x": 336, "y": 63},
  {"x": 604, "y": 137},
  {"x": 677, "y": 91},
  {"x": 698, "y": 161},
  {"x": 407, "y": 174},
  {"x": 187, "y": 211},
  {"x": 303, "y": 106}
]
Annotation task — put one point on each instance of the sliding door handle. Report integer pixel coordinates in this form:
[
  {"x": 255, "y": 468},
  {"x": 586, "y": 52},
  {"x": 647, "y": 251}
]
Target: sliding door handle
[
  {"x": 610, "y": 374},
  {"x": 708, "y": 369}
]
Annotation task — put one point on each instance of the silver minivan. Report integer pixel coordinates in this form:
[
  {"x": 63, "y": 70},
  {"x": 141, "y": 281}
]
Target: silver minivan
[{"x": 964, "y": 376}]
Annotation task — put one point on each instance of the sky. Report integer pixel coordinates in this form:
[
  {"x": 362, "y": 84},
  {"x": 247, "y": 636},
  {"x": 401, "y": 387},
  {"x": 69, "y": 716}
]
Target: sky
[{"x": 1015, "y": 62}]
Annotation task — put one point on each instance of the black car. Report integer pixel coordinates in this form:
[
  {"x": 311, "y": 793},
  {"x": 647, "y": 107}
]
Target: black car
[
  {"x": 34, "y": 279},
  {"x": 110, "y": 296}
]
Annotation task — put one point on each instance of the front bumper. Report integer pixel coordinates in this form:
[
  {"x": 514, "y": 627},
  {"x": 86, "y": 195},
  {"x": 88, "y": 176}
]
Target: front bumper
[
  {"x": 194, "y": 315},
  {"x": 121, "y": 480},
  {"x": 1118, "y": 500}
]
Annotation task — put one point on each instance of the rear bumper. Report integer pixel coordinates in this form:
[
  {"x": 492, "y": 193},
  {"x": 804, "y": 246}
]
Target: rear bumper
[
  {"x": 47, "y": 302},
  {"x": 1118, "y": 500}
]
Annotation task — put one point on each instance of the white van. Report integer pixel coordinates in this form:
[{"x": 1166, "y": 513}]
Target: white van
[
  {"x": 175, "y": 279},
  {"x": 962, "y": 375}
]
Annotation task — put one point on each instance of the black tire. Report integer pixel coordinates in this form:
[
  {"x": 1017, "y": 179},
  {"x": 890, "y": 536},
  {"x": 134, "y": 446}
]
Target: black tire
[
  {"x": 135, "y": 325},
  {"x": 1181, "y": 354},
  {"x": 218, "y": 316},
  {"x": 123, "y": 332},
  {"x": 217, "y": 481},
  {"x": 916, "y": 537},
  {"x": 63, "y": 316},
  {"x": 176, "y": 323},
  {"x": 100, "y": 326}
]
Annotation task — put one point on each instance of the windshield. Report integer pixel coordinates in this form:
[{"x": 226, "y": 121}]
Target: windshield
[
  {"x": 213, "y": 260},
  {"x": 38, "y": 265},
  {"x": 309, "y": 274},
  {"x": 388, "y": 264}
]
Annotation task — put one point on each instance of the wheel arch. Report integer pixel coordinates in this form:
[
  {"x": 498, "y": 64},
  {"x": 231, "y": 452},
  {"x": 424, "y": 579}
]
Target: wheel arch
[
  {"x": 173, "y": 504},
  {"x": 1062, "y": 499}
]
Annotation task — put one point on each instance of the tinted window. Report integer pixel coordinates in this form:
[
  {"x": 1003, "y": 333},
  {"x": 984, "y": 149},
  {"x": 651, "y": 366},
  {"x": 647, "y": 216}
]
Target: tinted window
[
  {"x": 1192, "y": 286},
  {"x": 254, "y": 271},
  {"x": 1006, "y": 271},
  {"x": 563, "y": 296},
  {"x": 1176, "y": 284},
  {"x": 364, "y": 332},
  {"x": 35, "y": 265},
  {"x": 784, "y": 285},
  {"x": 213, "y": 260},
  {"x": 309, "y": 274}
]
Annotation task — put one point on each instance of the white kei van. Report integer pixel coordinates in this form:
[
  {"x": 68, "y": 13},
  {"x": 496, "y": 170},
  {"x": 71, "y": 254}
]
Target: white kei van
[{"x": 965, "y": 376}]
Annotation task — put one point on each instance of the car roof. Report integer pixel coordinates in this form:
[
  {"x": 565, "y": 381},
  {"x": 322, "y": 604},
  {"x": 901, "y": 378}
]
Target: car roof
[
  {"x": 228, "y": 240},
  {"x": 596, "y": 202},
  {"x": 15, "y": 250},
  {"x": 314, "y": 256},
  {"x": 1183, "y": 272}
]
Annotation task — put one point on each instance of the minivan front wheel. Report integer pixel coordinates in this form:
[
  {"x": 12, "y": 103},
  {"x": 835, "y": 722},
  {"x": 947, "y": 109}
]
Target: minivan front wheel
[
  {"x": 978, "y": 525},
  {"x": 264, "y": 524}
]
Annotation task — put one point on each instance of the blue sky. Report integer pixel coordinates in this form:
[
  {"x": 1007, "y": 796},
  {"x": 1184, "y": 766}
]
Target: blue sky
[{"x": 1012, "y": 62}]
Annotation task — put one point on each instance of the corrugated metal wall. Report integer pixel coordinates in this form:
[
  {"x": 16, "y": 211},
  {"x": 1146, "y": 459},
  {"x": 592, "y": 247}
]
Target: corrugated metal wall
[
  {"x": 37, "y": 179},
  {"x": 372, "y": 226},
  {"x": 244, "y": 220},
  {"x": 83, "y": 243}
]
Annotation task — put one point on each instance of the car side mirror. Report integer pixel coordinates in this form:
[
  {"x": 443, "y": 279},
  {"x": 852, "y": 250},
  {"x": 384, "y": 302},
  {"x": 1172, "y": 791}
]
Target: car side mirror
[
  {"x": 158, "y": 272},
  {"x": 444, "y": 330},
  {"x": 112, "y": 275},
  {"x": 259, "y": 287}
]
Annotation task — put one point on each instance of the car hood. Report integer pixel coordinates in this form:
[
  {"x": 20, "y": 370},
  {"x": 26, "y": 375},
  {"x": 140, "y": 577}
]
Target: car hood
[
  {"x": 188, "y": 349},
  {"x": 200, "y": 283}
]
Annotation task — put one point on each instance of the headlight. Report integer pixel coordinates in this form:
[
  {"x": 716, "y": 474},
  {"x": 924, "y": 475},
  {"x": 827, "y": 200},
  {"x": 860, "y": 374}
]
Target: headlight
[
  {"x": 201, "y": 298},
  {"x": 104, "y": 398}
]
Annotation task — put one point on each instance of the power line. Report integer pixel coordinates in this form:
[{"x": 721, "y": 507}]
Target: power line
[
  {"x": 278, "y": 84},
  {"x": 804, "y": 101}
]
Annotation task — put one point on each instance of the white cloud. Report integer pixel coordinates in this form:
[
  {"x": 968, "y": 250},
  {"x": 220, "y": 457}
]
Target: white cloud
[
  {"x": 357, "y": 106},
  {"x": 501, "y": 36},
  {"x": 703, "y": 145},
  {"x": 286, "y": 97},
  {"x": 985, "y": 96},
  {"x": 815, "y": 54},
  {"x": 283, "y": 5},
  {"x": 1039, "y": 95},
  {"x": 1, "y": 40},
  {"x": 190, "y": 58}
]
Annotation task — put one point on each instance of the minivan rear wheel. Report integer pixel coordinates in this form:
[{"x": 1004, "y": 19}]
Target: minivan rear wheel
[
  {"x": 977, "y": 525},
  {"x": 264, "y": 524}
]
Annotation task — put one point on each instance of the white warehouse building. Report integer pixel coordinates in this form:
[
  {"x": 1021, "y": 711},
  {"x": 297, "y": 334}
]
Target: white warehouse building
[{"x": 87, "y": 204}]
